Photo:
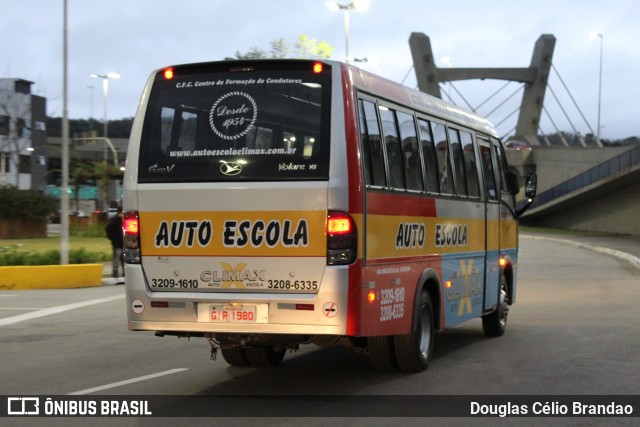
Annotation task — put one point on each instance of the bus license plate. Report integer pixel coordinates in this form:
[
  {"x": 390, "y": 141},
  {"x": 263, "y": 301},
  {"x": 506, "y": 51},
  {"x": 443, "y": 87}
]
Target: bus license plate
[{"x": 232, "y": 313}]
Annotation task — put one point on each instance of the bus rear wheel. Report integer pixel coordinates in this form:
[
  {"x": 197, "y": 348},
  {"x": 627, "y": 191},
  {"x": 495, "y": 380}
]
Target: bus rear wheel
[
  {"x": 264, "y": 355},
  {"x": 414, "y": 350},
  {"x": 381, "y": 353},
  {"x": 494, "y": 324},
  {"x": 235, "y": 356}
]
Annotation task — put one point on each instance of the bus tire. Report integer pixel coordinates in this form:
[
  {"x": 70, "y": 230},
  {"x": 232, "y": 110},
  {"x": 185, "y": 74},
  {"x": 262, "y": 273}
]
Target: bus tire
[
  {"x": 264, "y": 355},
  {"x": 381, "y": 353},
  {"x": 414, "y": 350},
  {"x": 235, "y": 356},
  {"x": 494, "y": 324}
]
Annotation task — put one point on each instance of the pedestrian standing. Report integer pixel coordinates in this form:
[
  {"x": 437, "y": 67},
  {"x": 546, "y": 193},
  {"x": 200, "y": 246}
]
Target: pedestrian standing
[{"x": 114, "y": 233}]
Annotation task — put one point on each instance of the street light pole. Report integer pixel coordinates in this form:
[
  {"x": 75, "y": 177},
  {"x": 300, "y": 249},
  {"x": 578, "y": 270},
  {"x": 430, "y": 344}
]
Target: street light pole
[
  {"x": 357, "y": 4},
  {"x": 600, "y": 85},
  {"x": 105, "y": 91},
  {"x": 105, "y": 156},
  {"x": 64, "y": 195},
  {"x": 90, "y": 108}
]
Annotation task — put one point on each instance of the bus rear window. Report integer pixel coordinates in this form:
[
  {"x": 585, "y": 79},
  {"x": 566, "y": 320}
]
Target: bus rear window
[{"x": 228, "y": 122}]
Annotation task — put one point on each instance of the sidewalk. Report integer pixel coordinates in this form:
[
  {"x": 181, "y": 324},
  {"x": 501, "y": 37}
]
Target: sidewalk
[
  {"x": 107, "y": 280},
  {"x": 626, "y": 248}
]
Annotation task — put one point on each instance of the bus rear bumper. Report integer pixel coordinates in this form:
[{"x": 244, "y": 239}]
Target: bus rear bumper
[
  {"x": 189, "y": 313},
  {"x": 197, "y": 328}
]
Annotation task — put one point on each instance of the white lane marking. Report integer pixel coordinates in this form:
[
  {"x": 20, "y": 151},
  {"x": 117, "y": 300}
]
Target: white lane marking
[
  {"x": 125, "y": 382},
  {"x": 20, "y": 308},
  {"x": 55, "y": 310}
]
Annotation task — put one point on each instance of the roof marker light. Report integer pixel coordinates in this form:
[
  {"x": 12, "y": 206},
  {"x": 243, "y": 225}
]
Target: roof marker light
[
  {"x": 168, "y": 73},
  {"x": 318, "y": 67}
]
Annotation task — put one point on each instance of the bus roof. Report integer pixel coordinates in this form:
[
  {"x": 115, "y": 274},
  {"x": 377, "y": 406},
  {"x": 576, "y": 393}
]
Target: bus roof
[
  {"x": 378, "y": 86},
  {"x": 420, "y": 101}
]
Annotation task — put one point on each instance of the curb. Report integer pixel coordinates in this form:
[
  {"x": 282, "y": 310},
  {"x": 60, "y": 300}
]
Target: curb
[
  {"x": 631, "y": 259},
  {"x": 50, "y": 276}
]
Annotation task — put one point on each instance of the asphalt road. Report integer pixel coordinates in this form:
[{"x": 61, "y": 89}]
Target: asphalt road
[{"x": 573, "y": 331}]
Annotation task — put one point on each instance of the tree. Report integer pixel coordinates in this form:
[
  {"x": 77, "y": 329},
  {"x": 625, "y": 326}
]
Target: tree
[
  {"x": 311, "y": 48},
  {"x": 119, "y": 128},
  {"x": 279, "y": 48},
  {"x": 304, "y": 48}
]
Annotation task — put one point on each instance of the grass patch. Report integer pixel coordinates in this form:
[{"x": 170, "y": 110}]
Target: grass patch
[{"x": 46, "y": 250}]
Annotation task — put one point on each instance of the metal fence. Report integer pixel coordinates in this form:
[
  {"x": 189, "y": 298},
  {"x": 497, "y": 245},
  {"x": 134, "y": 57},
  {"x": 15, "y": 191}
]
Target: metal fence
[{"x": 611, "y": 167}]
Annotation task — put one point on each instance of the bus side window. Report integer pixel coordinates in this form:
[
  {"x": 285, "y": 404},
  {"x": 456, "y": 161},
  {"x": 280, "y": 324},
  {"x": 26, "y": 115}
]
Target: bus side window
[
  {"x": 188, "y": 131},
  {"x": 503, "y": 168},
  {"x": 442, "y": 151},
  {"x": 392, "y": 145},
  {"x": 429, "y": 156},
  {"x": 487, "y": 169},
  {"x": 411, "y": 153},
  {"x": 166, "y": 128},
  {"x": 470, "y": 164},
  {"x": 372, "y": 145},
  {"x": 458, "y": 162}
]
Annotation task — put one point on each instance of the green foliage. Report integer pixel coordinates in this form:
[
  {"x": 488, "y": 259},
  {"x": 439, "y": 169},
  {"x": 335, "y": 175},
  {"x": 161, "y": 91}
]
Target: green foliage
[
  {"x": 13, "y": 257},
  {"x": 120, "y": 128},
  {"x": 311, "y": 48},
  {"x": 304, "y": 48},
  {"x": 91, "y": 230},
  {"x": 28, "y": 204}
]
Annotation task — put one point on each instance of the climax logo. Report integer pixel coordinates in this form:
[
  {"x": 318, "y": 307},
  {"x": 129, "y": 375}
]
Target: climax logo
[
  {"x": 238, "y": 276},
  {"x": 230, "y": 168}
]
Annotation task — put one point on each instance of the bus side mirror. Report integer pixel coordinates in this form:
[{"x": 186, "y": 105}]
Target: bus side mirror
[
  {"x": 531, "y": 186},
  {"x": 530, "y": 189}
]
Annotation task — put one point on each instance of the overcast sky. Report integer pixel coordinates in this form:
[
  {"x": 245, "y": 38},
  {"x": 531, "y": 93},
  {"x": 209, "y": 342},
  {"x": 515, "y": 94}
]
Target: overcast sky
[{"x": 134, "y": 37}]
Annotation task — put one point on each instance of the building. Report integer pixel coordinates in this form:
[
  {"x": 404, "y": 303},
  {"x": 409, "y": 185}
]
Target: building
[{"x": 23, "y": 133}]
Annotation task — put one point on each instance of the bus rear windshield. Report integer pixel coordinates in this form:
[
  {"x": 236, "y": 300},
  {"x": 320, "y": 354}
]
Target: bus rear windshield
[{"x": 231, "y": 122}]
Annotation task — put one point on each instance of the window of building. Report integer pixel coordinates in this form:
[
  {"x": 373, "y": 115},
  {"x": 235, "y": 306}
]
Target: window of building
[{"x": 4, "y": 125}]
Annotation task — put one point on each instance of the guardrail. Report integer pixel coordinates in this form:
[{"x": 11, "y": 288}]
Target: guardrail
[{"x": 611, "y": 167}]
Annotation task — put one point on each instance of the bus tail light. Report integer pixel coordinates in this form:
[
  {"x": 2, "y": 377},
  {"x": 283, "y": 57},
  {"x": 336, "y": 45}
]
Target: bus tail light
[
  {"x": 131, "y": 228},
  {"x": 342, "y": 239}
]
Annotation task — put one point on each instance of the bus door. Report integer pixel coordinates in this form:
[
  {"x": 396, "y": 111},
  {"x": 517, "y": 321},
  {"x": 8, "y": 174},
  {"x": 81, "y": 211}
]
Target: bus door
[
  {"x": 507, "y": 203},
  {"x": 492, "y": 224}
]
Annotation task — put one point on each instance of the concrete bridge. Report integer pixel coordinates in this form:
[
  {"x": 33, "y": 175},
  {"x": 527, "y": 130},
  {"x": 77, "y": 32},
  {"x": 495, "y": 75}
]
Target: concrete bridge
[
  {"x": 584, "y": 188},
  {"x": 595, "y": 189}
]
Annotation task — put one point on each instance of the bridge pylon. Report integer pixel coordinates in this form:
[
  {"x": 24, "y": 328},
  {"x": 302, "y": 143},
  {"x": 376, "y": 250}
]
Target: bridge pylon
[{"x": 535, "y": 78}]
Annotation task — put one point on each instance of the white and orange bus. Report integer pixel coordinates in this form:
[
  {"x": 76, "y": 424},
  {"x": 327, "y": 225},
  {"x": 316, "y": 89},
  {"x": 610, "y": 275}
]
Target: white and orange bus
[{"x": 270, "y": 204}]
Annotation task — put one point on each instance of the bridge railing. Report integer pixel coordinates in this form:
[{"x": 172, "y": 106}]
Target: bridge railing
[{"x": 611, "y": 167}]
